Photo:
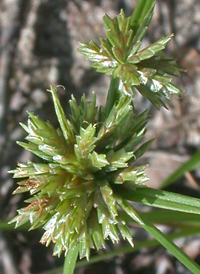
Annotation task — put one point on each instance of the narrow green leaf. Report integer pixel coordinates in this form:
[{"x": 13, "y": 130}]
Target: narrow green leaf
[
  {"x": 162, "y": 199},
  {"x": 161, "y": 238},
  {"x": 166, "y": 217},
  {"x": 191, "y": 164}
]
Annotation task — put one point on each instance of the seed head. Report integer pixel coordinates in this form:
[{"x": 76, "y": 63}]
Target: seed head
[{"x": 73, "y": 190}]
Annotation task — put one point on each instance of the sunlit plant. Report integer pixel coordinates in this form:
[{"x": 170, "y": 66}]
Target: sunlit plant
[{"x": 89, "y": 172}]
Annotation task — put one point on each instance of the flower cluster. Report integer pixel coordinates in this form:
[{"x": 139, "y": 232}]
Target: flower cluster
[
  {"x": 73, "y": 190},
  {"x": 147, "y": 70}
]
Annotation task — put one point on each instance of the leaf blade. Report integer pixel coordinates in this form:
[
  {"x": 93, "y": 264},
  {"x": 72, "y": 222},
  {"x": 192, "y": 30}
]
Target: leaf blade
[
  {"x": 191, "y": 164},
  {"x": 162, "y": 199}
]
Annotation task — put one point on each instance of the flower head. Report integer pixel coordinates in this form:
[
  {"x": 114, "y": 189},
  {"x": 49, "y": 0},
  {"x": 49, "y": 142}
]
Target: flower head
[
  {"x": 147, "y": 70},
  {"x": 73, "y": 189}
]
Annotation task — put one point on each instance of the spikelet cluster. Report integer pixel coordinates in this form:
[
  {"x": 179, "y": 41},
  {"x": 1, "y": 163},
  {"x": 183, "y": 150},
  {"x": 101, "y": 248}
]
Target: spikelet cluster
[
  {"x": 148, "y": 70},
  {"x": 73, "y": 190}
]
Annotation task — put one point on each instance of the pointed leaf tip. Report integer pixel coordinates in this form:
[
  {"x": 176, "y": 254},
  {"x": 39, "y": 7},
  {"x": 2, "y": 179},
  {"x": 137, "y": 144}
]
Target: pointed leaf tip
[{"x": 60, "y": 115}]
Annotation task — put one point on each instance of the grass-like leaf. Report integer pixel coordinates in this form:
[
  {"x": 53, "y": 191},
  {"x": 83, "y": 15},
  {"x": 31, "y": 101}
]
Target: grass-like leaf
[
  {"x": 191, "y": 164},
  {"x": 162, "y": 199},
  {"x": 161, "y": 238}
]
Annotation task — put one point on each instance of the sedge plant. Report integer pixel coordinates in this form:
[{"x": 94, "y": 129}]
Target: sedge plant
[{"x": 81, "y": 190}]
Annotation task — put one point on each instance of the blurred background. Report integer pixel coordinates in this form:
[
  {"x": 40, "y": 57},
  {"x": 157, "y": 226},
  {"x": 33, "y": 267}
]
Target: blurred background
[{"x": 38, "y": 48}]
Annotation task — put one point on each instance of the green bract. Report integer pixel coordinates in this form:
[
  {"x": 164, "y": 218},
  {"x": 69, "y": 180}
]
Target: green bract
[
  {"x": 73, "y": 191},
  {"x": 147, "y": 70}
]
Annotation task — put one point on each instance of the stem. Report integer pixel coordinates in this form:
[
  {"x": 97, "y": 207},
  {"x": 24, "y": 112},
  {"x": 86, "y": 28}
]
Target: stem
[
  {"x": 140, "y": 12},
  {"x": 113, "y": 95},
  {"x": 70, "y": 260}
]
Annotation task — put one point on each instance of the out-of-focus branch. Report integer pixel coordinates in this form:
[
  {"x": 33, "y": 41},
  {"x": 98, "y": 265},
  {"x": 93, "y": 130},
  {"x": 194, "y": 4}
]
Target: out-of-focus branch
[
  {"x": 6, "y": 257},
  {"x": 9, "y": 38}
]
